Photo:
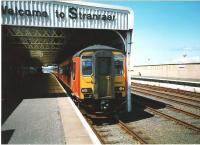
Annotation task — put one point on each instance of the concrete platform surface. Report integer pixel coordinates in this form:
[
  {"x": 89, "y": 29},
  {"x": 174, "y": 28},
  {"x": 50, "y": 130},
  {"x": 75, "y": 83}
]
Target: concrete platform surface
[
  {"x": 35, "y": 121},
  {"x": 44, "y": 115}
]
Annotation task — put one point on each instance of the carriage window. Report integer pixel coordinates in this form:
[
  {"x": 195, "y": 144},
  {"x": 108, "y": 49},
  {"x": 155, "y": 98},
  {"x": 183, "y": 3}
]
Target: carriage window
[
  {"x": 118, "y": 65},
  {"x": 73, "y": 70},
  {"x": 87, "y": 65},
  {"x": 61, "y": 70}
]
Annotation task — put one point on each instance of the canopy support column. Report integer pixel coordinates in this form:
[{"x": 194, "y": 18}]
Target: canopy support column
[{"x": 127, "y": 46}]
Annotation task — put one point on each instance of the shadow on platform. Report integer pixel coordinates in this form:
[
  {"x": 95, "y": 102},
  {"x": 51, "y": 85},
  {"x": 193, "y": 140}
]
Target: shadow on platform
[
  {"x": 6, "y": 135},
  {"x": 138, "y": 110}
]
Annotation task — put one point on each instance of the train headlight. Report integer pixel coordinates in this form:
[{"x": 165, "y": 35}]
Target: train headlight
[
  {"x": 86, "y": 90},
  {"x": 119, "y": 89}
]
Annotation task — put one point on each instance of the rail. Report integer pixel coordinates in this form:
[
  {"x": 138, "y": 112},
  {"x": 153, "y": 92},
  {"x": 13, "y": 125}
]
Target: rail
[
  {"x": 168, "y": 81},
  {"x": 143, "y": 91},
  {"x": 131, "y": 132},
  {"x": 195, "y": 128},
  {"x": 183, "y": 97},
  {"x": 95, "y": 131}
]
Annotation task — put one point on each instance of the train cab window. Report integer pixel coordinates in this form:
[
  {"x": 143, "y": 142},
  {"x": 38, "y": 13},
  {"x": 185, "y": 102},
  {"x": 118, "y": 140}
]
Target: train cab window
[
  {"x": 118, "y": 64},
  {"x": 87, "y": 65}
]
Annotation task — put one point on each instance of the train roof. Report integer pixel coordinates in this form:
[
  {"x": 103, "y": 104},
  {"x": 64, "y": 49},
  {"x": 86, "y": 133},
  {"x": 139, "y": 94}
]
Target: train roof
[{"x": 96, "y": 48}]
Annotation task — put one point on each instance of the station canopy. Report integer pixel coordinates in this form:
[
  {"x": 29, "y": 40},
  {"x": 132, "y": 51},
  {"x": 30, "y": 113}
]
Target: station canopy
[{"x": 48, "y": 32}]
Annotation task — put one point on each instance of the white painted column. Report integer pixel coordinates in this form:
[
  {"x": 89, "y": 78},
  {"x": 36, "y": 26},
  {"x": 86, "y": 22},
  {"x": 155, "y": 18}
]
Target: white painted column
[{"x": 129, "y": 47}]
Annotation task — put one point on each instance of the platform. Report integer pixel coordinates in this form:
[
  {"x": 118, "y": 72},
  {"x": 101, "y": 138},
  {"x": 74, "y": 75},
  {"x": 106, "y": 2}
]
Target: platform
[
  {"x": 174, "y": 83},
  {"x": 45, "y": 115},
  {"x": 189, "y": 82}
]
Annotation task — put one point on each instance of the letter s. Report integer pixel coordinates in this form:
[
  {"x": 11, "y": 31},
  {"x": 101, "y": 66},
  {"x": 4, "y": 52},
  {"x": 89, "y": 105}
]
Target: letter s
[{"x": 73, "y": 13}]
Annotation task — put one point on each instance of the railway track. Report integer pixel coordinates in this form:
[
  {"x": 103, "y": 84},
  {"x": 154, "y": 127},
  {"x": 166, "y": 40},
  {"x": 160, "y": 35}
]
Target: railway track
[
  {"x": 161, "y": 96},
  {"x": 183, "y": 123},
  {"x": 181, "y": 92},
  {"x": 154, "y": 111},
  {"x": 170, "y": 94},
  {"x": 119, "y": 124},
  {"x": 122, "y": 130},
  {"x": 131, "y": 132},
  {"x": 183, "y": 111},
  {"x": 137, "y": 136},
  {"x": 96, "y": 132},
  {"x": 195, "y": 128},
  {"x": 168, "y": 106},
  {"x": 191, "y": 96}
]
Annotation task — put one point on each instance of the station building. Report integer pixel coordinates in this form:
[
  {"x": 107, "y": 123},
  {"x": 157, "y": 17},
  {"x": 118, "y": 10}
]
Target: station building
[{"x": 43, "y": 33}]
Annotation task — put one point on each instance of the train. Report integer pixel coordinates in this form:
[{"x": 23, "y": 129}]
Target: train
[{"x": 97, "y": 77}]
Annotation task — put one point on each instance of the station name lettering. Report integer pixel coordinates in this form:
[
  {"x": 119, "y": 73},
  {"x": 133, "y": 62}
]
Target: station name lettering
[
  {"x": 16, "y": 11},
  {"x": 72, "y": 14}
]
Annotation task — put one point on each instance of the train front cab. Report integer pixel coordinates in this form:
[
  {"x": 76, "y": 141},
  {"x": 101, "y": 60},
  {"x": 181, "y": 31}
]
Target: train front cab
[{"x": 99, "y": 77}]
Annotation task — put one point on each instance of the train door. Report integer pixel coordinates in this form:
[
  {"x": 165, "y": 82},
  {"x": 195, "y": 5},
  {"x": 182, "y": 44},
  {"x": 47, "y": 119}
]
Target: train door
[
  {"x": 104, "y": 74},
  {"x": 75, "y": 77}
]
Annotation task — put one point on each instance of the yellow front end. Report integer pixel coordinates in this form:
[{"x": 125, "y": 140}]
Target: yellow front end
[
  {"x": 87, "y": 87},
  {"x": 120, "y": 86},
  {"x": 118, "y": 82}
]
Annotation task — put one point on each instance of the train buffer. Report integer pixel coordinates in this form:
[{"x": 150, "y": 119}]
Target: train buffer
[{"x": 46, "y": 116}]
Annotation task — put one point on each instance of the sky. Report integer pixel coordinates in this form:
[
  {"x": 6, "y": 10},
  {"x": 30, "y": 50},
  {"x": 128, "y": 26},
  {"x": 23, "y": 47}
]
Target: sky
[{"x": 164, "y": 32}]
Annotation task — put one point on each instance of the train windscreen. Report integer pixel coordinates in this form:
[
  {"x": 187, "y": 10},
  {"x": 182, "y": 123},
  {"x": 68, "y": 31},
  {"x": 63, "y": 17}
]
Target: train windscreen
[
  {"x": 86, "y": 65},
  {"x": 118, "y": 64}
]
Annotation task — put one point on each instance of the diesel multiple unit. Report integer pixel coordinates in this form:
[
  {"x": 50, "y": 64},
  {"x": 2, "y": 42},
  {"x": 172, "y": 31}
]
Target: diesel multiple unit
[{"x": 97, "y": 76}]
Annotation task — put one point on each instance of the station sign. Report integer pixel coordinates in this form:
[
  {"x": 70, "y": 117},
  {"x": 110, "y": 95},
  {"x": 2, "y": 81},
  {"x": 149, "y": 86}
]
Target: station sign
[
  {"x": 72, "y": 13},
  {"x": 62, "y": 14}
]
